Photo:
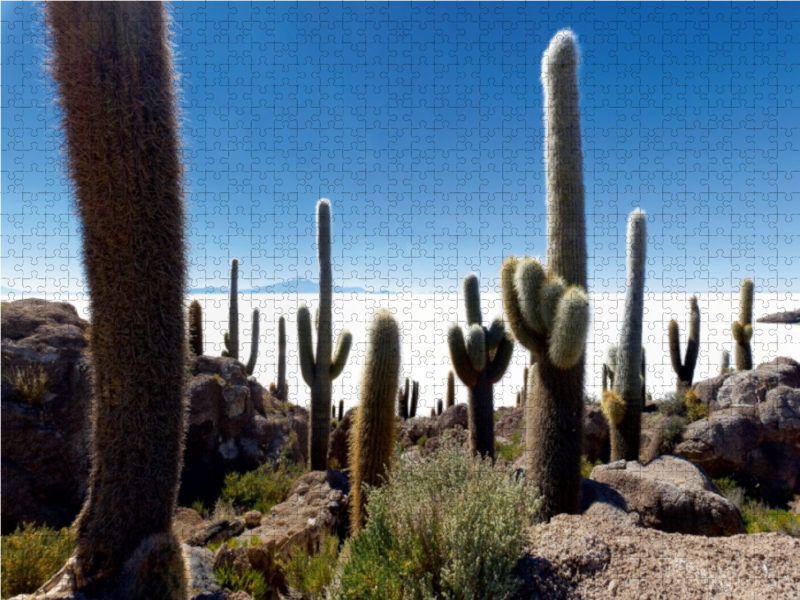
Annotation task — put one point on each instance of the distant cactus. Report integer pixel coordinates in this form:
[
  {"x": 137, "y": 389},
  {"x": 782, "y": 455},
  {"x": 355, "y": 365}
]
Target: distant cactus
[
  {"x": 231, "y": 336},
  {"x": 610, "y": 367},
  {"x": 451, "y": 389},
  {"x": 742, "y": 329},
  {"x": 113, "y": 72},
  {"x": 644, "y": 379},
  {"x": 341, "y": 409},
  {"x": 625, "y": 434},
  {"x": 518, "y": 396},
  {"x": 433, "y": 413},
  {"x": 548, "y": 312},
  {"x": 373, "y": 437},
  {"x": 320, "y": 370},
  {"x": 414, "y": 399},
  {"x": 439, "y": 406},
  {"x": 333, "y": 411},
  {"x": 685, "y": 370},
  {"x": 402, "y": 403},
  {"x": 725, "y": 362},
  {"x": 479, "y": 361},
  {"x": 196, "y": 328},
  {"x": 251, "y": 362},
  {"x": 281, "y": 387}
]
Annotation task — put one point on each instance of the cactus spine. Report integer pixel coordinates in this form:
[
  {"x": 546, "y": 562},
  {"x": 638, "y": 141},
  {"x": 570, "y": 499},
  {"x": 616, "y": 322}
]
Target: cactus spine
[
  {"x": 196, "y": 328},
  {"x": 549, "y": 312},
  {"x": 628, "y": 384},
  {"x": 281, "y": 388},
  {"x": 451, "y": 389},
  {"x": 319, "y": 371},
  {"x": 373, "y": 437},
  {"x": 251, "y": 362},
  {"x": 685, "y": 370},
  {"x": 232, "y": 335},
  {"x": 479, "y": 361},
  {"x": 742, "y": 329},
  {"x": 113, "y": 68}
]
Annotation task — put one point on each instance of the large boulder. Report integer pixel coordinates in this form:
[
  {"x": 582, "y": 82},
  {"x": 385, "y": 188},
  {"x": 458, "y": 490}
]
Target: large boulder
[
  {"x": 787, "y": 316},
  {"x": 671, "y": 494},
  {"x": 45, "y": 446},
  {"x": 583, "y": 556},
  {"x": 753, "y": 431}
]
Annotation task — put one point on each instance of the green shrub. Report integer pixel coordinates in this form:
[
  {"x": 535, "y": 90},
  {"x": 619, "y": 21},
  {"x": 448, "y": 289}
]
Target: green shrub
[
  {"x": 31, "y": 555},
  {"x": 758, "y": 517},
  {"x": 200, "y": 508},
  {"x": 421, "y": 442},
  {"x": 512, "y": 450},
  {"x": 672, "y": 431},
  {"x": 260, "y": 489},
  {"x": 447, "y": 526},
  {"x": 672, "y": 404},
  {"x": 586, "y": 466},
  {"x": 686, "y": 405},
  {"x": 312, "y": 574},
  {"x": 245, "y": 580}
]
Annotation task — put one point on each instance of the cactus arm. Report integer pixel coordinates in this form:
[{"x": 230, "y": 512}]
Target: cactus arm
[
  {"x": 451, "y": 389},
  {"x": 747, "y": 294},
  {"x": 476, "y": 347},
  {"x": 414, "y": 398},
  {"x": 693, "y": 343},
  {"x": 495, "y": 334},
  {"x": 305, "y": 345},
  {"x": 459, "y": 357},
  {"x": 497, "y": 368},
  {"x": 528, "y": 281},
  {"x": 675, "y": 347},
  {"x": 196, "y": 328},
  {"x": 343, "y": 344},
  {"x": 549, "y": 296},
  {"x": 472, "y": 299},
  {"x": 251, "y": 362},
  {"x": 232, "y": 335},
  {"x": 605, "y": 377},
  {"x": 513, "y": 311},
  {"x": 227, "y": 339},
  {"x": 570, "y": 326}
]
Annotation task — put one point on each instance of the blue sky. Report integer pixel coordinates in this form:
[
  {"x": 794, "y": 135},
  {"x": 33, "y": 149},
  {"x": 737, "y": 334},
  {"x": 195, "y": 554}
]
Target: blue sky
[{"x": 422, "y": 124}]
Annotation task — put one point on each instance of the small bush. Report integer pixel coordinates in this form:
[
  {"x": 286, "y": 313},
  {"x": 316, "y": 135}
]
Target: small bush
[
  {"x": 260, "y": 489},
  {"x": 245, "y": 580},
  {"x": 513, "y": 449},
  {"x": 672, "y": 404},
  {"x": 586, "y": 466},
  {"x": 447, "y": 526},
  {"x": 686, "y": 405},
  {"x": 758, "y": 517},
  {"x": 421, "y": 442},
  {"x": 672, "y": 431},
  {"x": 200, "y": 508},
  {"x": 31, "y": 555},
  {"x": 30, "y": 381},
  {"x": 311, "y": 574}
]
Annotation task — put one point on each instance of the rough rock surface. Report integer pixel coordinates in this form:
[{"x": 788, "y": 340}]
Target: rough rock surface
[
  {"x": 199, "y": 571},
  {"x": 45, "y": 448},
  {"x": 596, "y": 441},
  {"x": 753, "y": 430},
  {"x": 671, "y": 494},
  {"x": 594, "y": 558},
  {"x": 787, "y": 316}
]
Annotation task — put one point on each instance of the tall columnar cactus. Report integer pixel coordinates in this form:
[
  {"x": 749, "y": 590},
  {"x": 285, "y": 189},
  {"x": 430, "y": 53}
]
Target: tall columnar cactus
[
  {"x": 439, "y": 406},
  {"x": 113, "y": 68},
  {"x": 196, "y": 328},
  {"x": 628, "y": 381},
  {"x": 725, "y": 362},
  {"x": 281, "y": 387},
  {"x": 414, "y": 399},
  {"x": 402, "y": 402},
  {"x": 341, "y": 409},
  {"x": 231, "y": 336},
  {"x": 451, "y": 389},
  {"x": 373, "y": 437},
  {"x": 742, "y": 329},
  {"x": 251, "y": 362},
  {"x": 610, "y": 367},
  {"x": 320, "y": 370},
  {"x": 479, "y": 361},
  {"x": 518, "y": 399},
  {"x": 685, "y": 370},
  {"x": 549, "y": 311}
]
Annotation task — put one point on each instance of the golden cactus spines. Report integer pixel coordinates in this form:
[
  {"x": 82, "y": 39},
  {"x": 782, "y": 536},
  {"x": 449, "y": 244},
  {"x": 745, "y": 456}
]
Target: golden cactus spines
[{"x": 613, "y": 407}]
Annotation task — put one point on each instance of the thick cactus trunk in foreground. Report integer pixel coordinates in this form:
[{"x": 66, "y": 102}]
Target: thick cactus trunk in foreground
[{"x": 113, "y": 68}]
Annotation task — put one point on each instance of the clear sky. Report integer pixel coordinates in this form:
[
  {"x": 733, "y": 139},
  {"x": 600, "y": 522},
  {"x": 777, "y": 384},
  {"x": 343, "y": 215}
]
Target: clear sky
[{"x": 422, "y": 124}]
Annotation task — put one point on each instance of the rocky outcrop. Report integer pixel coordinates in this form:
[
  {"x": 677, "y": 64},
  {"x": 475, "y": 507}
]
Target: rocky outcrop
[
  {"x": 583, "y": 556},
  {"x": 753, "y": 430},
  {"x": 671, "y": 494},
  {"x": 596, "y": 444},
  {"x": 45, "y": 446},
  {"x": 787, "y": 316},
  {"x": 315, "y": 507}
]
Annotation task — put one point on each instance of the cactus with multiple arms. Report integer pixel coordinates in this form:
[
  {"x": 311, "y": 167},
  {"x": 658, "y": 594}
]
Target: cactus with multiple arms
[
  {"x": 113, "y": 69},
  {"x": 231, "y": 336},
  {"x": 251, "y": 362},
  {"x": 685, "y": 370},
  {"x": 320, "y": 370},
  {"x": 373, "y": 437},
  {"x": 742, "y": 329},
  {"x": 549, "y": 312},
  {"x": 480, "y": 361},
  {"x": 196, "y": 328},
  {"x": 628, "y": 378}
]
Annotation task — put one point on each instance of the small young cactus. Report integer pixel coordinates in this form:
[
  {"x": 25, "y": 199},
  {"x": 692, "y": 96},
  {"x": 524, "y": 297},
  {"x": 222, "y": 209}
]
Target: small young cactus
[
  {"x": 251, "y": 362},
  {"x": 433, "y": 413},
  {"x": 742, "y": 329},
  {"x": 373, "y": 437},
  {"x": 281, "y": 387},
  {"x": 231, "y": 336},
  {"x": 196, "y": 328},
  {"x": 685, "y": 370},
  {"x": 725, "y": 362},
  {"x": 451, "y": 389},
  {"x": 479, "y": 361},
  {"x": 628, "y": 370}
]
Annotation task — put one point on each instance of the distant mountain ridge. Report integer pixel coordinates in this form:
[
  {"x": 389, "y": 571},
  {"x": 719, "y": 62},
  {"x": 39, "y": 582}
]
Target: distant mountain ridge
[{"x": 298, "y": 285}]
